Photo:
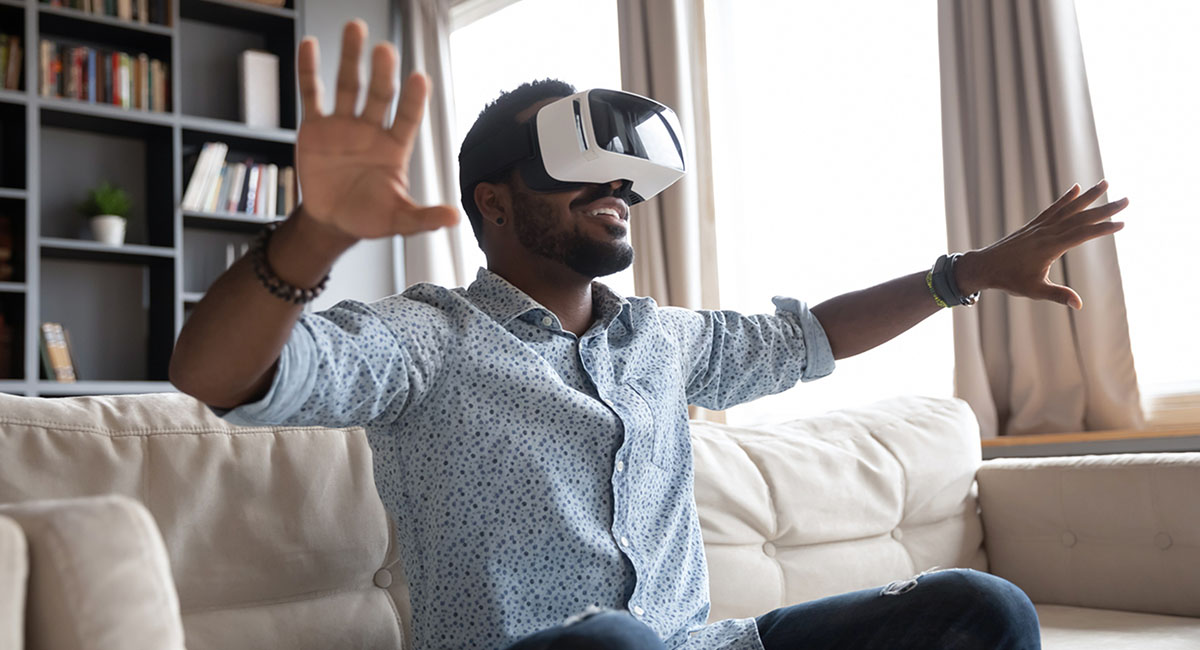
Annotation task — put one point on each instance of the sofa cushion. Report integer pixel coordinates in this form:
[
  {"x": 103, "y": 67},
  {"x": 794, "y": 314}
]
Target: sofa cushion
[
  {"x": 267, "y": 529},
  {"x": 1081, "y": 628},
  {"x": 852, "y": 499},
  {"x": 98, "y": 576},
  {"x": 14, "y": 570},
  {"x": 1119, "y": 531}
]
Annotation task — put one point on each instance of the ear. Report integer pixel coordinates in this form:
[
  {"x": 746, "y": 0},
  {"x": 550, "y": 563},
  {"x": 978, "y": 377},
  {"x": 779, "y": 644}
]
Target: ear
[{"x": 494, "y": 201}]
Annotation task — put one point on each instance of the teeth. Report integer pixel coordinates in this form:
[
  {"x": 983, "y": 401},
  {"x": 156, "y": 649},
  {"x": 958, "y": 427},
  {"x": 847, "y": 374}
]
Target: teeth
[{"x": 596, "y": 213}]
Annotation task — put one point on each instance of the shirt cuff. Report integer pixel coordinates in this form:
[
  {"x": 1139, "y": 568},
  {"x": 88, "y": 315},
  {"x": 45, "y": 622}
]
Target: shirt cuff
[
  {"x": 818, "y": 353},
  {"x": 294, "y": 381}
]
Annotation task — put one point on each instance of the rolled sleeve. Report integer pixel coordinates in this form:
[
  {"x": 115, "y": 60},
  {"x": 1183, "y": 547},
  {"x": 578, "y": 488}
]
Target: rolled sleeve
[
  {"x": 819, "y": 360},
  {"x": 294, "y": 379}
]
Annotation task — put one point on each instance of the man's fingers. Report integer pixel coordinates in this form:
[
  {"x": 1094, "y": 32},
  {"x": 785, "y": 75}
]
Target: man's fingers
[
  {"x": 413, "y": 219},
  {"x": 409, "y": 111},
  {"x": 1058, "y": 204},
  {"x": 1096, "y": 214},
  {"x": 348, "y": 81},
  {"x": 310, "y": 79},
  {"x": 382, "y": 90},
  {"x": 1084, "y": 200},
  {"x": 1093, "y": 231},
  {"x": 1059, "y": 294}
]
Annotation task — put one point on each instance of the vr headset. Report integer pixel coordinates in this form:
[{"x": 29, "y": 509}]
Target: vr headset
[{"x": 595, "y": 136}]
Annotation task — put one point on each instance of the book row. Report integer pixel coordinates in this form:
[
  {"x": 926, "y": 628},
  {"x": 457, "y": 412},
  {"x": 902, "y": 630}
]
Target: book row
[
  {"x": 141, "y": 11},
  {"x": 10, "y": 62},
  {"x": 259, "y": 189},
  {"x": 103, "y": 77}
]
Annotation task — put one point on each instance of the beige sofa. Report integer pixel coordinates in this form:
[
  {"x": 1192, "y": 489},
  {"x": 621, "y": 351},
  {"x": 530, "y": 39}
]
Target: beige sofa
[{"x": 145, "y": 522}]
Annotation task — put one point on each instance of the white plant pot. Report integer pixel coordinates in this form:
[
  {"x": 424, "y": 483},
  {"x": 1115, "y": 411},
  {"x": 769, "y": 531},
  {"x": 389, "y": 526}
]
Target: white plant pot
[{"x": 108, "y": 229}]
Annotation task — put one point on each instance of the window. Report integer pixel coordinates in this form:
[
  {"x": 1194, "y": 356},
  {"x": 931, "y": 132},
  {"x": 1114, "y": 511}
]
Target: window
[
  {"x": 826, "y": 121},
  {"x": 525, "y": 41},
  {"x": 1143, "y": 67}
]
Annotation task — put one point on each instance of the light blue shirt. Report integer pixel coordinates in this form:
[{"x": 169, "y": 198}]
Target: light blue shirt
[{"x": 532, "y": 473}]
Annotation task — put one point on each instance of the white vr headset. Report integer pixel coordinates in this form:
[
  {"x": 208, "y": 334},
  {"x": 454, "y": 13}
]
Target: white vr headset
[{"x": 595, "y": 136}]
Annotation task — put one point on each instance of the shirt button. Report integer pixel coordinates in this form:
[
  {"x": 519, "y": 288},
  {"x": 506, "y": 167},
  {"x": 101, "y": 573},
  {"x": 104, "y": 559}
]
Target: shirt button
[
  {"x": 638, "y": 611},
  {"x": 625, "y": 542},
  {"x": 620, "y": 466},
  {"x": 547, "y": 321}
]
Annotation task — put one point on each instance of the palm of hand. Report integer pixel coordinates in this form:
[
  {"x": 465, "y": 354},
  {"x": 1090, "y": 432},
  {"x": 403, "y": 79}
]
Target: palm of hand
[
  {"x": 356, "y": 171},
  {"x": 353, "y": 170}
]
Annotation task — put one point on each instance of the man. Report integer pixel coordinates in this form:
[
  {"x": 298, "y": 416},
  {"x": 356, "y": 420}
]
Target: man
[{"x": 529, "y": 432}]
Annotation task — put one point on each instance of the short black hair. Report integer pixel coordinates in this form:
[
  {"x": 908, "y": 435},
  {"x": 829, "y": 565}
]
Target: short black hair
[{"x": 498, "y": 114}]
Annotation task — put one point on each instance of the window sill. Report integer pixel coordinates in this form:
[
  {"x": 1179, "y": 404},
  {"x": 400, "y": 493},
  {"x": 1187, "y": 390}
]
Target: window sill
[{"x": 1159, "y": 439}]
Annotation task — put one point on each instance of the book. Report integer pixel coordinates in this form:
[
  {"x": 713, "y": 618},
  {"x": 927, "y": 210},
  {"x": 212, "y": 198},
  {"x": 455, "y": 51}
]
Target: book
[
  {"x": 258, "y": 80},
  {"x": 56, "y": 353},
  {"x": 214, "y": 191},
  {"x": 4, "y": 60},
  {"x": 271, "y": 190},
  {"x": 237, "y": 174},
  {"x": 143, "y": 81},
  {"x": 289, "y": 190},
  {"x": 251, "y": 188},
  {"x": 12, "y": 64},
  {"x": 207, "y": 168}
]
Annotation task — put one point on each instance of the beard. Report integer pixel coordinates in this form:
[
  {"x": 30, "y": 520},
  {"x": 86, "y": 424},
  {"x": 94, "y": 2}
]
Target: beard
[{"x": 539, "y": 231}]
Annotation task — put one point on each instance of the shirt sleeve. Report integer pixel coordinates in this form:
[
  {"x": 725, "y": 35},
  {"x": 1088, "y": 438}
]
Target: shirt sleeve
[
  {"x": 729, "y": 358},
  {"x": 345, "y": 367}
]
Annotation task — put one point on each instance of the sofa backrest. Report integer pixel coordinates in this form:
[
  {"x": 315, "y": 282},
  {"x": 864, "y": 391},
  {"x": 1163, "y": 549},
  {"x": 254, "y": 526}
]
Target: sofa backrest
[
  {"x": 276, "y": 537},
  {"x": 843, "y": 501}
]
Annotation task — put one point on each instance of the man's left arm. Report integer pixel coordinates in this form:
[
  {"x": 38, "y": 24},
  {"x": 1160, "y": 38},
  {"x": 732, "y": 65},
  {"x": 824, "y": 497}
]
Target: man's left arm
[{"x": 1019, "y": 265}]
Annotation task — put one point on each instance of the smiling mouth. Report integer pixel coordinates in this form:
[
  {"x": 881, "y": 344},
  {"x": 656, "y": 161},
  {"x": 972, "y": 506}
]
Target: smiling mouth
[{"x": 610, "y": 216}]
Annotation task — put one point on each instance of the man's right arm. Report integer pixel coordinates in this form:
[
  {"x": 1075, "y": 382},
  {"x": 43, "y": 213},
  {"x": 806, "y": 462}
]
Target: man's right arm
[
  {"x": 353, "y": 172},
  {"x": 227, "y": 353}
]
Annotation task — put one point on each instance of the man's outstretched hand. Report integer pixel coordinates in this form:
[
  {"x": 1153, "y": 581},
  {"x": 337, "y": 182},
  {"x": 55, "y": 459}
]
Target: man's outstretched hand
[
  {"x": 1020, "y": 263},
  {"x": 353, "y": 167}
]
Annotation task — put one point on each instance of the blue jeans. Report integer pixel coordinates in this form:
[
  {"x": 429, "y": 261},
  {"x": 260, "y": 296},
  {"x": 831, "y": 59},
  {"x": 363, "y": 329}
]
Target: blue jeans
[{"x": 947, "y": 610}]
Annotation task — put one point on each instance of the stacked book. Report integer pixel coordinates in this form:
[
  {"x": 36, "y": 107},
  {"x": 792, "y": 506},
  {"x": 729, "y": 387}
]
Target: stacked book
[
  {"x": 104, "y": 77},
  {"x": 10, "y": 62},
  {"x": 142, "y": 11},
  {"x": 259, "y": 189}
]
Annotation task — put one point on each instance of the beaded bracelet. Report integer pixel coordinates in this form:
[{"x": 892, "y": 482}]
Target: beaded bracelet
[{"x": 275, "y": 285}]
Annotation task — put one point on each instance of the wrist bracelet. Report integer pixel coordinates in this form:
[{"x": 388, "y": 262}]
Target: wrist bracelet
[
  {"x": 275, "y": 285},
  {"x": 943, "y": 286},
  {"x": 933, "y": 292}
]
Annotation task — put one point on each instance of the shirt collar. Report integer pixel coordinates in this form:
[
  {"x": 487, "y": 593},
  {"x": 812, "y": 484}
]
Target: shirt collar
[{"x": 503, "y": 302}]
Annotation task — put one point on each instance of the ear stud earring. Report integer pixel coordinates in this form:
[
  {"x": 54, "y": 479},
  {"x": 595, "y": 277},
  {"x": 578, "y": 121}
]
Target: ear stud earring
[{"x": 499, "y": 221}]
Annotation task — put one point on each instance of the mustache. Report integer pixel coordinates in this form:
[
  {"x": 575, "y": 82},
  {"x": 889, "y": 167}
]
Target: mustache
[{"x": 600, "y": 192}]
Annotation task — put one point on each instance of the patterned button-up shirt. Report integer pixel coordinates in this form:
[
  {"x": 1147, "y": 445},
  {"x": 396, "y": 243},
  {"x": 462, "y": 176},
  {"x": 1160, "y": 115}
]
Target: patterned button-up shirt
[{"x": 532, "y": 473}]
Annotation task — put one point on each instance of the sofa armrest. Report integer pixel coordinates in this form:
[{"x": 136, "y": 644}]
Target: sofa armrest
[
  {"x": 14, "y": 571},
  {"x": 1113, "y": 532},
  {"x": 98, "y": 576}
]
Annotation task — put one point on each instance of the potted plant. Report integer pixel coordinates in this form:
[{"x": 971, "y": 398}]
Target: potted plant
[{"x": 107, "y": 207}]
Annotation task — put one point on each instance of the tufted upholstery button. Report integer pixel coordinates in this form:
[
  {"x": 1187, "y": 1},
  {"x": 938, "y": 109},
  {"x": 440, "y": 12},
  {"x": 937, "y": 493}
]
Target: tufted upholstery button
[
  {"x": 897, "y": 534},
  {"x": 1069, "y": 539},
  {"x": 383, "y": 578},
  {"x": 1162, "y": 541},
  {"x": 768, "y": 549}
]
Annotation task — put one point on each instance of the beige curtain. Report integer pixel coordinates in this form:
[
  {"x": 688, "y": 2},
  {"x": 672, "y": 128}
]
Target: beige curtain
[
  {"x": 662, "y": 57},
  {"x": 1017, "y": 131},
  {"x": 422, "y": 33}
]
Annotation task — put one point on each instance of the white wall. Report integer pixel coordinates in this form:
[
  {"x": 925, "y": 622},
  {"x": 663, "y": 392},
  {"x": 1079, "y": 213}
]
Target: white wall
[{"x": 366, "y": 271}]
